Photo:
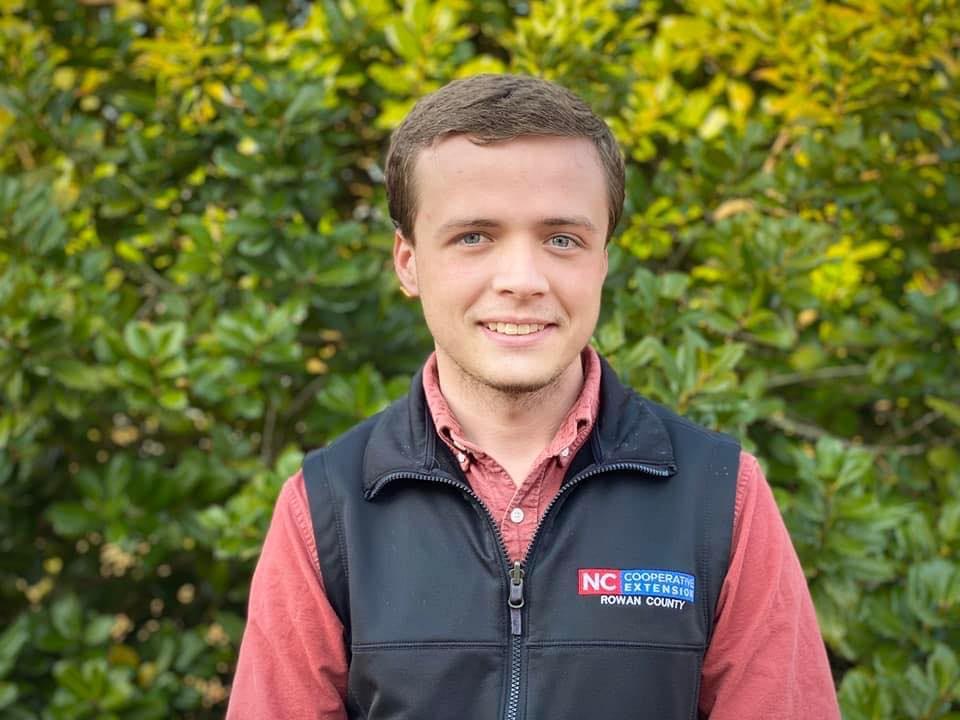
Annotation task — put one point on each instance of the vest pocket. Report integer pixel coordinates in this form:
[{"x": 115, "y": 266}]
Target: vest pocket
[
  {"x": 611, "y": 680},
  {"x": 428, "y": 680}
]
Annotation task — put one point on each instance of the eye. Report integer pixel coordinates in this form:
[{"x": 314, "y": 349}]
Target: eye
[
  {"x": 472, "y": 238},
  {"x": 562, "y": 241}
]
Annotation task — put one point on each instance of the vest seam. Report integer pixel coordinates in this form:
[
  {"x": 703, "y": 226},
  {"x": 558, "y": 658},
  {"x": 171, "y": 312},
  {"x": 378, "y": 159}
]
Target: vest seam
[
  {"x": 695, "y": 707},
  {"x": 430, "y": 432},
  {"x": 705, "y": 547},
  {"x": 638, "y": 645},
  {"x": 341, "y": 539},
  {"x": 426, "y": 644}
]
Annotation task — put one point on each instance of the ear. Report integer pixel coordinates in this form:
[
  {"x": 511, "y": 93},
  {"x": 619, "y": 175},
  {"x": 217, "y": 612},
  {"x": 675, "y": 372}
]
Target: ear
[{"x": 405, "y": 264}]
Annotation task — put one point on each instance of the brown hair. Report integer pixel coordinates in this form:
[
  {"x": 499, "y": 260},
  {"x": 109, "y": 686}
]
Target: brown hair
[{"x": 489, "y": 109}]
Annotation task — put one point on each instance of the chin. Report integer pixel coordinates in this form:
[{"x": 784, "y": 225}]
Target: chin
[
  {"x": 520, "y": 388},
  {"x": 519, "y": 384}
]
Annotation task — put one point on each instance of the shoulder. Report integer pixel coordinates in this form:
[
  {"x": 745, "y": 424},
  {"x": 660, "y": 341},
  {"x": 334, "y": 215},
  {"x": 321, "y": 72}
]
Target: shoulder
[
  {"x": 683, "y": 424},
  {"x": 392, "y": 438},
  {"x": 678, "y": 425},
  {"x": 625, "y": 412},
  {"x": 352, "y": 442}
]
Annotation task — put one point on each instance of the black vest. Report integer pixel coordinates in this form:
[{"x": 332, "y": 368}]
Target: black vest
[{"x": 610, "y": 613}]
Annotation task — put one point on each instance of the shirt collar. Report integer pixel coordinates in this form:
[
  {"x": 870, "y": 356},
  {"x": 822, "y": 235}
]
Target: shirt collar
[{"x": 401, "y": 442}]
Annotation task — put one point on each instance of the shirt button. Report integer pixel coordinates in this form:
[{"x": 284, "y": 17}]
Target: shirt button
[
  {"x": 564, "y": 452},
  {"x": 516, "y": 515}
]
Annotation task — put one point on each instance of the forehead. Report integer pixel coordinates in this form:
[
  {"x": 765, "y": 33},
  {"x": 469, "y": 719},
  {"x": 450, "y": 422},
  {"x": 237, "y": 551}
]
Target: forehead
[
  {"x": 456, "y": 156},
  {"x": 527, "y": 174}
]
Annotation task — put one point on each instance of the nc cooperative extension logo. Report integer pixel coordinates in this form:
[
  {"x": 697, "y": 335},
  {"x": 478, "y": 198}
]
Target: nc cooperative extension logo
[{"x": 654, "y": 588}]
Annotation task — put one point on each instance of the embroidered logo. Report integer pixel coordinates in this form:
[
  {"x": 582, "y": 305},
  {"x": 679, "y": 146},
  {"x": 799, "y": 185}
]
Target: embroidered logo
[{"x": 653, "y": 588}]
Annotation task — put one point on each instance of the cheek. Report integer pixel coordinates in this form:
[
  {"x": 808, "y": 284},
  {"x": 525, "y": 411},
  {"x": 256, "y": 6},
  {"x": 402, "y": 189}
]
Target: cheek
[
  {"x": 584, "y": 285},
  {"x": 451, "y": 281}
]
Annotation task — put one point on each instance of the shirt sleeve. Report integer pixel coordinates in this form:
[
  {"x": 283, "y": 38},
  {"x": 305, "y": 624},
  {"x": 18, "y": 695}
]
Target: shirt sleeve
[
  {"x": 293, "y": 662},
  {"x": 766, "y": 658}
]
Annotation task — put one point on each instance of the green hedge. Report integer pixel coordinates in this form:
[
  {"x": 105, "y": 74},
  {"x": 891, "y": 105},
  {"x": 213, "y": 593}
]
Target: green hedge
[{"x": 196, "y": 287}]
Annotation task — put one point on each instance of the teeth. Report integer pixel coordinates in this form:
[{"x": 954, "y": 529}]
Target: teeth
[{"x": 514, "y": 328}]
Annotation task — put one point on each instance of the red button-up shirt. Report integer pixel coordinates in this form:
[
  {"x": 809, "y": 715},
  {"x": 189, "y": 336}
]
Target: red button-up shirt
[{"x": 766, "y": 658}]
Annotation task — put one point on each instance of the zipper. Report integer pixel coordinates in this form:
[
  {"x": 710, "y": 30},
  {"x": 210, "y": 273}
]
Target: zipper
[
  {"x": 515, "y": 604},
  {"x": 517, "y": 571}
]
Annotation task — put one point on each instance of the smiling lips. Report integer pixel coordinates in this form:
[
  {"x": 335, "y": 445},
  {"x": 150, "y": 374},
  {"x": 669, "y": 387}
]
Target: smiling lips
[{"x": 507, "y": 328}]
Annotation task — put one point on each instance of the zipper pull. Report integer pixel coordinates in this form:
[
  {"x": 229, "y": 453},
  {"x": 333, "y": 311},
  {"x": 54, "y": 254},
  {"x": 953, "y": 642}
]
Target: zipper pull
[{"x": 516, "y": 598}]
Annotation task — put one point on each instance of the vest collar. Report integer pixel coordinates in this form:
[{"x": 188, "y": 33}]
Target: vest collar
[{"x": 404, "y": 439}]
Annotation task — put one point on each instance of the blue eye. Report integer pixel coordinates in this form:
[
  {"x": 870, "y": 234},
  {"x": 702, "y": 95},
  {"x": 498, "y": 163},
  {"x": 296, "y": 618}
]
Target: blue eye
[
  {"x": 562, "y": 241},
  {"x": 473, "y": 238}
]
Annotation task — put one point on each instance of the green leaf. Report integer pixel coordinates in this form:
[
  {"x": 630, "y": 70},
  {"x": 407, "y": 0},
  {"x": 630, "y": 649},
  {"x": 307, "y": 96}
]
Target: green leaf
[
  {"x": 235, "y": 165},
  {"x": 830, "y": 456},
  {"x": 770, "y": 329},
  {"x": 862, "y": 699},
  {"x": 173, "y": 399},
  {"x": 8, "y": 694},
  {"x": 97, "y": 631},
  {"x": 168, "y": 339},
  {"x": 416, "y": 14},
  {"x": 343, "y": 275},
  {"x": 71, "y": 519},
  {"x": 714, "y": 123},
  {"x": 70, "y": 675},
  {"x": 949, "y": 410},
  {"x": 392, "y": 79},
  {"x": 949, "y": 523},
  {"x": 190, "y": 649},
  {"x": 175, "y": 367},
  {"x": 309, "y": 100},
  {"x": 642, "y": 353},
  {"x": 609, "y": 337},
  {"x": 673, "y": 286},
  {"x": 256, "y": 246},
  {"x": 402, "y": 39},
  {"x": 12, "y": 641},
  {"x": 856, "y": 464},
  {"x": 76, "y": 375},
  {"x": 944, "y": 671},
  {"x": 138, "y": 339},
  {"x": 729, "y": 358},
  {"x": 66, "y": 616}
]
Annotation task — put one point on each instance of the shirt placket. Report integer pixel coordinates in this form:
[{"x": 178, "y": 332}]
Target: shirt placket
[{"x": 523, "y": 512}]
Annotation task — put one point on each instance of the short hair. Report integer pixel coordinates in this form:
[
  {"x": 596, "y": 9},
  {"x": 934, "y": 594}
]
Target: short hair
[{"x": 490, "y": 109}]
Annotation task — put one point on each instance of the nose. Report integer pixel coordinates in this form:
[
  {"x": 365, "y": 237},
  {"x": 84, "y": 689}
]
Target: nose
[{"x": 520, "y": 269}]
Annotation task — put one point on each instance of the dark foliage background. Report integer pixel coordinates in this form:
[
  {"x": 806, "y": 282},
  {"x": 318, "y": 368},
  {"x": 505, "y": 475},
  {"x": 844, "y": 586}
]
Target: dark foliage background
[{"x": 195, "y": 286}]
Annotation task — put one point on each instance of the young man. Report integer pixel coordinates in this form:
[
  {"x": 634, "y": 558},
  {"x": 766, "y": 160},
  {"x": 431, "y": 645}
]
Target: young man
[{"x": 522, "y": 536}]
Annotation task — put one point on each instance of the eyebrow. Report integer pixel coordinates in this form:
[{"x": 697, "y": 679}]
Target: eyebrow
[
  {"x": 569, "y": 221},
  {"x": 556, "y": 221}
]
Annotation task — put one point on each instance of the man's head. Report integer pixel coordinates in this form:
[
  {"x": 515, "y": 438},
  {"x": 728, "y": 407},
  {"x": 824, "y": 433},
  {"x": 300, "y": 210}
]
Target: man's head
[
  {"x": 506, "y": 185},
  {"x": 490, "y": 109}
]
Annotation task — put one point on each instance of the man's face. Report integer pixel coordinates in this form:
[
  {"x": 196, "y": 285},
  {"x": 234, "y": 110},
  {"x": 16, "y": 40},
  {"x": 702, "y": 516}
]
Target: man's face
[{"x": 509, "y": 257}]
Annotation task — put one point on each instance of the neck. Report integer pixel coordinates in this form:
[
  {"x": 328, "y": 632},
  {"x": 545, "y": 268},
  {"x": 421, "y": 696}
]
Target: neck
[{"x": 512, "y": 427}]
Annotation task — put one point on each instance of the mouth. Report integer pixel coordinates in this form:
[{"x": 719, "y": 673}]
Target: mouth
[{"x": 507, "y": 328}]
